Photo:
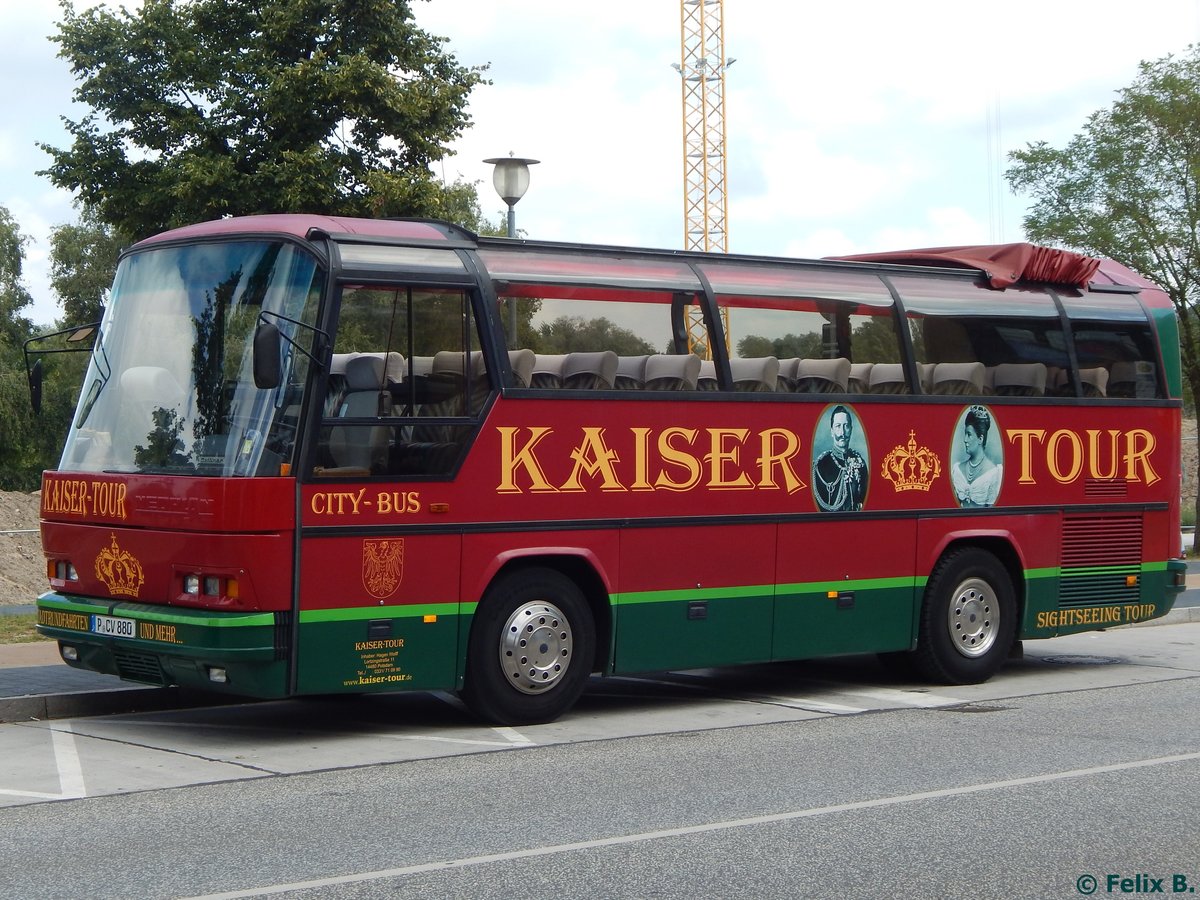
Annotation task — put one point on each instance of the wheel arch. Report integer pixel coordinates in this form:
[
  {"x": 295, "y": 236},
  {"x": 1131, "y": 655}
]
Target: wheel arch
[
  {"x": 1001, "y": 544},
  {"x": 579, "y": 565}
]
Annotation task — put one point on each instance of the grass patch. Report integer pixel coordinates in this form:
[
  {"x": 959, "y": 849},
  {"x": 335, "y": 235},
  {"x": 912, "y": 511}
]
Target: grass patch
[{"x": 19, "y": 629}]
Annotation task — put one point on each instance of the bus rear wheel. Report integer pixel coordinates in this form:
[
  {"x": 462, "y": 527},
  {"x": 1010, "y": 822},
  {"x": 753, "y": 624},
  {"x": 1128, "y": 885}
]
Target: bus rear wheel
[
  {"x": 531, "y": 647},
  {"x": 968, "y": 620}
]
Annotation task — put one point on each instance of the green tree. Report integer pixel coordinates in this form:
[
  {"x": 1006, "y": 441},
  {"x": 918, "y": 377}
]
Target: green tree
[
  {"x": 875, "y": 341},
  {"x": 206, "y": 108},
  {"x": 22, "y": 448},
  {"x": 14, "y": 326},
  {"x": 83, "y": 260},
  {"x": 459, "y": 203},
  {"x": 29, "y": 443},
  {"x": 567, "y": 334},
  {"x": 790, "y": 346},
  {"x": 1128, "y": 187}
]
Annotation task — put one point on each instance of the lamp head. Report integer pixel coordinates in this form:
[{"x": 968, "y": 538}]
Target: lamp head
[{"x": 511, "y": 176}]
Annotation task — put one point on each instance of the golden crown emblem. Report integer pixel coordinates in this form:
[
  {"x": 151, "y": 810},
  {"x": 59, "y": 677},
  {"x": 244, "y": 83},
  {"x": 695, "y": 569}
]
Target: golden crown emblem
[
  {"x": 119, "y": 570},
  {"x": 911, "y": 468}
]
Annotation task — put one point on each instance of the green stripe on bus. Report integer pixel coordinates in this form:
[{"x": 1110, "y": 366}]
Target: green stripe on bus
[
  {"x": 1086, "y": 571},
  {"x": 361, "y": 613},
  {"x": 852, "y": 584},
  {"x": 1118, "y": 569},
  {"x": 674, "y": 596},
  {"x": 860, "y": 584},
  {"x": 202, "y": 617},
  {"x": 765, "y": 590}
]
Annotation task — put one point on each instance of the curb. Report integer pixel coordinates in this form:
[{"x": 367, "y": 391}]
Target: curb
[
  {"x": 1185, "y": 615},
  {"x": 43, "y": 707}
]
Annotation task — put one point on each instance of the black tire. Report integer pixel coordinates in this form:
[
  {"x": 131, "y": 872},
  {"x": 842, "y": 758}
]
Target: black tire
[
  {"x": 968, "y": 618},
  {"x": 531, "y": 648}
]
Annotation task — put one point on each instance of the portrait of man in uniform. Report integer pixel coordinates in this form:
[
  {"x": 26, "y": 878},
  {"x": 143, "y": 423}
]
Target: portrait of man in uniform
[{"x": 840, "y": 468}]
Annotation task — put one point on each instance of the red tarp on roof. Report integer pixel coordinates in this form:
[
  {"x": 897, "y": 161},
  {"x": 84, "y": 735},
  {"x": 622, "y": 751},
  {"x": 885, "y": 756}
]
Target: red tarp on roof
[{"x": 1003, "y": 264}]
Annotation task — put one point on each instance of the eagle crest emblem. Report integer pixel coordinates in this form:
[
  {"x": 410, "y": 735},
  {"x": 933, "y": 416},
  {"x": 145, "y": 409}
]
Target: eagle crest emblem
[{"x": 382, "y": 567}]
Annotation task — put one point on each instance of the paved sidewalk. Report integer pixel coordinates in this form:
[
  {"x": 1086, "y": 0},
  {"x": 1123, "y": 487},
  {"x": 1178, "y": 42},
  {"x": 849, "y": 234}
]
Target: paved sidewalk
[
  {"x": 35, "y": 668},
  {"x": 36, "y": 684}
]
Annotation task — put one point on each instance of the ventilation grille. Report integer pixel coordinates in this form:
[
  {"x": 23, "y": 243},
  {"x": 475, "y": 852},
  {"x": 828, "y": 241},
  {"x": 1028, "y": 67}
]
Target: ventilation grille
[
  {"x": 283, "y": 634},
  {"x": 1106, "y": 489},
  {"x": 1101, "y": 560},
  {"x": 139, "y": 667}
]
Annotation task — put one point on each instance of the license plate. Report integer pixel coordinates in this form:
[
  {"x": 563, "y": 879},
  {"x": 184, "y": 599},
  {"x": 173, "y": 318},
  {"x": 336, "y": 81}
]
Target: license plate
[{"x": 114, "y": 627}]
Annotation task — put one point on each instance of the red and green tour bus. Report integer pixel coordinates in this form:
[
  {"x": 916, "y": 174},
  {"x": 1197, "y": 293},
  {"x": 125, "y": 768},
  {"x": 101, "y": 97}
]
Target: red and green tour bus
[{"x": 321, "y": 455}]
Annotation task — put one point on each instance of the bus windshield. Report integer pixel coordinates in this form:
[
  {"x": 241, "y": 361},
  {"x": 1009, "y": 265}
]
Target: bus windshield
[{"x": 170, "y": 387}]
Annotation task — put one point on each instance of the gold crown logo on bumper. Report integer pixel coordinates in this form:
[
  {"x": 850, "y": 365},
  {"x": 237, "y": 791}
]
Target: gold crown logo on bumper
[
  {"x": 911, "y": 468},
  {"x": 119, "y": 570}
]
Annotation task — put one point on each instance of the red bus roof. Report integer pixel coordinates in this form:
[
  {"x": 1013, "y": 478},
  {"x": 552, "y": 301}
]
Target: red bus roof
[
  {"x": 300, "y": 225},
  {"x": 1003, "y": 264}
]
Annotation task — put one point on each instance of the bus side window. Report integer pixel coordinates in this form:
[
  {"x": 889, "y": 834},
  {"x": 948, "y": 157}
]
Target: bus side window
[
  {"x": 1020, "y": 357},
  {"x": 596, "y": 339},
  {"x": 971, "y": 340},
  {"x": 406, "y": 385},
  {"x": 825, "y": 328},
  {"x": 1124, "y": 352}
]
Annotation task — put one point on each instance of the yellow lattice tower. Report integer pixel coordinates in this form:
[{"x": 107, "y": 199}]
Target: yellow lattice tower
[{"x": 702, "y": 68}]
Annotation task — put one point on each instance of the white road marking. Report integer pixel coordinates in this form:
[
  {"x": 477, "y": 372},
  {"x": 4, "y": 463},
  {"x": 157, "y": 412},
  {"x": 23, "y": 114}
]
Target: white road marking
[
  {"x": 441, "y": 739},
  {"x": 923, "y": 699},
  {"x": 708, "y": 828},
  {"x": 66, "y": 757},
  {"x": 836, "y": 709},
  {"x": 513, "y": 736},
  {"x": 66, "y": 761}
]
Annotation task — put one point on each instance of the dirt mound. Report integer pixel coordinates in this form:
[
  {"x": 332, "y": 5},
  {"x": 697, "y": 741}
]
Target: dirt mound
[{"x": 22, "y": 567}]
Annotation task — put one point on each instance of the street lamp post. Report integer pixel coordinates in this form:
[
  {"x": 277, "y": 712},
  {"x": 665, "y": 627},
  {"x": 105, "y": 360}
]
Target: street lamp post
[{"x": 511, "y": 180}]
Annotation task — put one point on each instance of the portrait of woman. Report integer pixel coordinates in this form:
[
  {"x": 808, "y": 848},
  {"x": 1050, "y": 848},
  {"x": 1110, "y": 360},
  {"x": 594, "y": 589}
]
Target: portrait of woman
[{"x": 977, "y": 469}]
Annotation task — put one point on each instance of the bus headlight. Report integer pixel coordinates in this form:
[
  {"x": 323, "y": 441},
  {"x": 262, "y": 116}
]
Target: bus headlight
[
  {"x": 199, "y": 584},
  {"x": 61, "y": 570}
]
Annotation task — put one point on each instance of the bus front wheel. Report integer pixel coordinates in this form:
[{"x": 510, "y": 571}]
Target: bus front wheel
[
  {"x": 531, "y": 648},
  {"x": 968, "y": 619}
]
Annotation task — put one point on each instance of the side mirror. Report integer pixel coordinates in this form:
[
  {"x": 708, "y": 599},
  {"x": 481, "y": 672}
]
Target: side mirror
[
  {"x": 267, "y": 353},
  {"x": 35, "y": 387}
]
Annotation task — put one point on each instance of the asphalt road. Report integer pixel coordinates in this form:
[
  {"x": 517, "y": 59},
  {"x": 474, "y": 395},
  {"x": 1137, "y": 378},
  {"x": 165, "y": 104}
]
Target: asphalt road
[{"x": 809, "y": 780}]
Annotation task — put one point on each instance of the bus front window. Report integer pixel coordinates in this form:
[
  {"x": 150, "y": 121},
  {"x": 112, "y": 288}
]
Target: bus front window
[{"x": 170, "y": 388}]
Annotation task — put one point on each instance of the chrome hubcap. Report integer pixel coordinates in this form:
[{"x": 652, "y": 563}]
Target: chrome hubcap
[
  {"x": 536, "y": 647},
  {"x": 973, "y": 618}
]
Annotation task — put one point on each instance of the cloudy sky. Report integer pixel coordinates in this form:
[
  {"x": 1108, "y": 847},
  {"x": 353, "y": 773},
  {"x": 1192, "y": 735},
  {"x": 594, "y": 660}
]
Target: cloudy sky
[{"x": 851, "y": 127}]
